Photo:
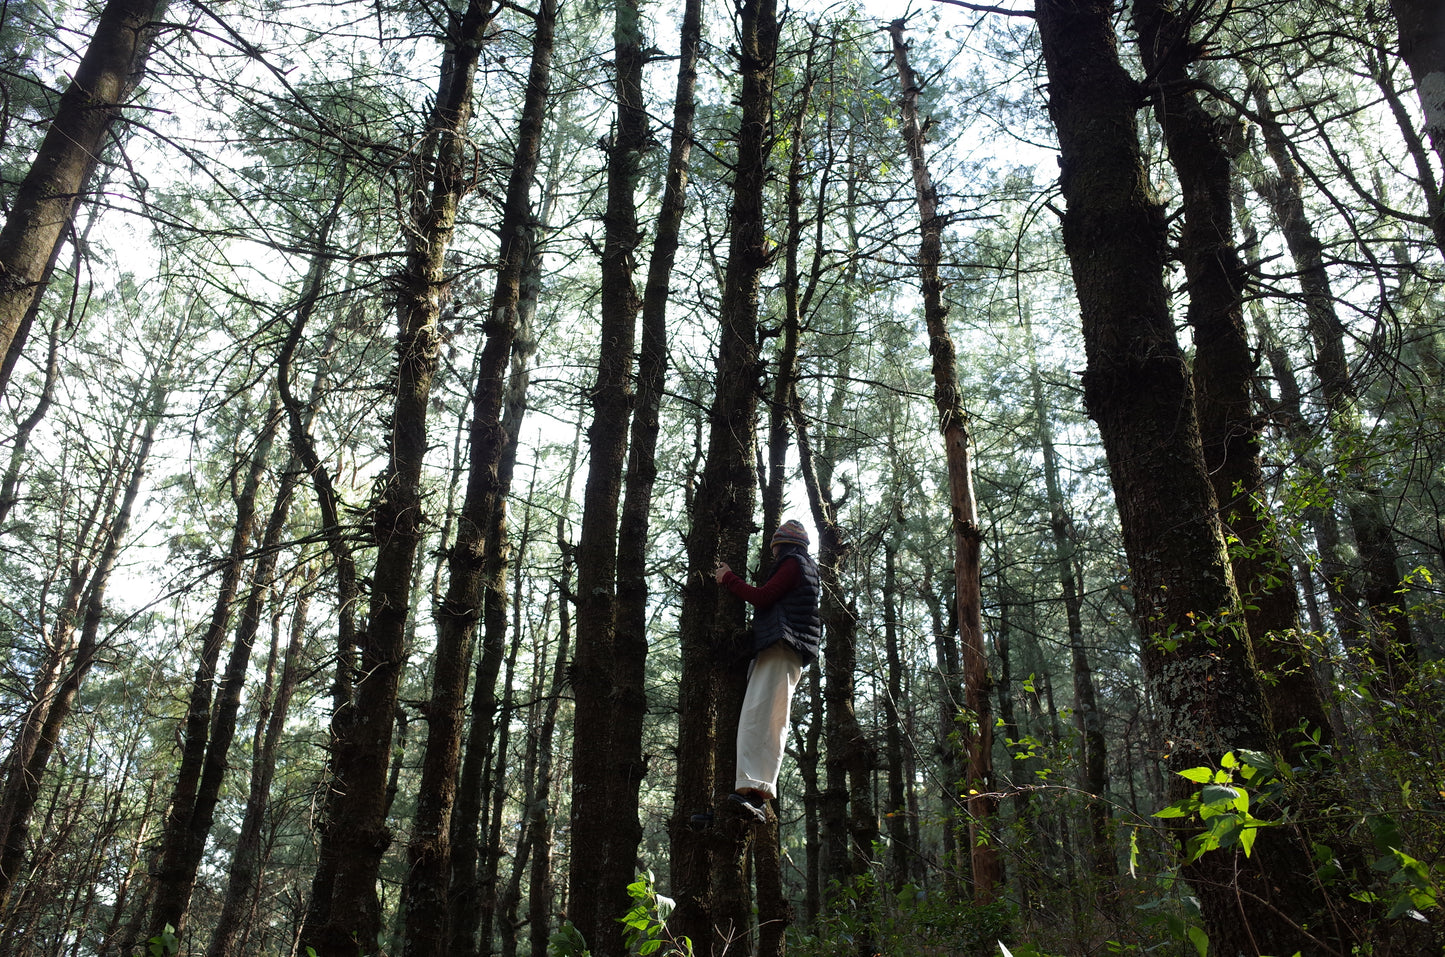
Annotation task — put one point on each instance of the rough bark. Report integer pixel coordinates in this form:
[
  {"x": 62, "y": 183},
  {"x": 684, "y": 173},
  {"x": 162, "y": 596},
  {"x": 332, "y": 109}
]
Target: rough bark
[
  {"x": 849, "y": 818},
  {"x": 540, "y": 890},
  {"x": 45, "y": 201},
  {"x": 1137, "y": 390},
  {"x": 428, "y": 855},
  {"x": 711, "y": 619},
  {"x": 603, "y": 826},
  {"x": 467, "y": 818},
  {"x": 246, "y": 860},
  {"x": 1422, "y": 47},
  {"x": 967, "y": 535},
  {"x": 1224, "y": 368},
  {"x": 630, "y": 643},
  {"x": 347, "y": 920}
]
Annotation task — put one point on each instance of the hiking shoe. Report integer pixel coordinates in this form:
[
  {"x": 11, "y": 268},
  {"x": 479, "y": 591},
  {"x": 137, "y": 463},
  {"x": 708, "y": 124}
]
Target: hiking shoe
[{"x": 757, "y": 807}]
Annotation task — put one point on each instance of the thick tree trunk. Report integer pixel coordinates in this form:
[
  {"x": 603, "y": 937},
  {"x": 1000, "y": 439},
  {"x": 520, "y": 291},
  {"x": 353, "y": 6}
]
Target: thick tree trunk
[
  {"x": 967, "y": 536},
  {"x": 347, "y": 920},
  {"x": 429, "y": 875},
  {"x": 1422, "y": 46},
  {"x": 1224, "y": 370},
  {"x": 711, "y": 621},
  {"x": 1137, "y": 390},
  {"x": 605, "y": 831},
  {"x": 45, "y": 201}
]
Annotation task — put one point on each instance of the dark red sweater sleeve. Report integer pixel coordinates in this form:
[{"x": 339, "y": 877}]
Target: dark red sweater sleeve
[{"x": 783, "y": 580}]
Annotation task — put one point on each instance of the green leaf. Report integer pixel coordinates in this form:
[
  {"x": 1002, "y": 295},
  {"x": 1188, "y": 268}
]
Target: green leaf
[
  {"x": 1246, "y": 839},
  {"x": 1214, "y": 795},
  {"x": 1198, "y": 775}
]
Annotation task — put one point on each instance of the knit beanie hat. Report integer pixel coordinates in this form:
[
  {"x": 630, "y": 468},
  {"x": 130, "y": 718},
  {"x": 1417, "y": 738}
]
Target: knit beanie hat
[{"x": 791, "y": 531}]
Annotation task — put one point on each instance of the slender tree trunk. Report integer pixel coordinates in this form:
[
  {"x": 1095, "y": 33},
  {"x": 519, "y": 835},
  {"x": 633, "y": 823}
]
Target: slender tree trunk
[
  {"x": 950, "y": 703},
  {"x": 21, "y": 800},
  {"x": 1025, "y": 818},
  {"x": 850, "y": 822},
  {"x": 45, "y": 201},
  {"x": 1094, "y": 757},
  {"x": 1387, "y": 636},
  {"x": 896, "y": 811},
  {"x": 20, "y": 442},
  {"x": 299, "y": 416},
  {"x": 246, "y": 860},
  {"x": 967, "y": 536},
  {"x": 428, "y": 880},
  {"x": 630, "y": 635},
  {"x": 468, "y": 820},
  {"x": 630, "y": 642},
  {"x": 1137, "y": 390},
  {"x": 187, "y": 823},
  {"x": 540, "y": 886}
]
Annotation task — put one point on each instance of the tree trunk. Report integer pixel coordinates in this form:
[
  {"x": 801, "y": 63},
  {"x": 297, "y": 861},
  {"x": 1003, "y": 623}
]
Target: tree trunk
[
  {"x": 188, "y": 821},
  {"x": 467, "y": 818},
  {"x": 950, "y": 703},
  {"x": 1224, "y": 371},
  {"x": 429, "y": 875},
  {"x": 1387, "y": 635},
  {"x": 299, "y": 418},
  {"x": 1137, "y": 390},
  {"x": 1094, "y": 757},
  {"x": 45, "y": 201},
  {"x": 246, "y": 860},
  {"x": 603, "y": 827},
  {"x": 23, "y": 789},
  {"x": 967, "y": 536},
  {"x": 850, "y": 822},
  {"x": 711, "y": 619},
  {"x": 347, "y": 921},
  {"x": 630, "y": 642},
  {"x": 540, "y": 886},
  {"x": 900, "y": 853},
  {"x": 1422, "y": 46}
]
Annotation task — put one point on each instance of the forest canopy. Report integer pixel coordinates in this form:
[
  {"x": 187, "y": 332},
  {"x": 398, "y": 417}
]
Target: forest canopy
[{"x": 383, "y": 383}]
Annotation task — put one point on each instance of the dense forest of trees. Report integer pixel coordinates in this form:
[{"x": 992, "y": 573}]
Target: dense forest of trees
[{"x": 382, "y": 382}]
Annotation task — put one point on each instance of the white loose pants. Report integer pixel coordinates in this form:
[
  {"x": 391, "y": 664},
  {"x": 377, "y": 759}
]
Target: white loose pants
[{"x": 763, "y": 723}]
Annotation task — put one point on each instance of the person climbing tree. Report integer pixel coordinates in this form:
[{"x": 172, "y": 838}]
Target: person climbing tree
[{"x": 786, "y": 632}]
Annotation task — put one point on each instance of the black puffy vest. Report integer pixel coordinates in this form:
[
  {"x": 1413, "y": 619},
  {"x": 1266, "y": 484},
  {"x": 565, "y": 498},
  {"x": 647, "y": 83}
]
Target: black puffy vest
[{"x": 794, "y": 617}]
